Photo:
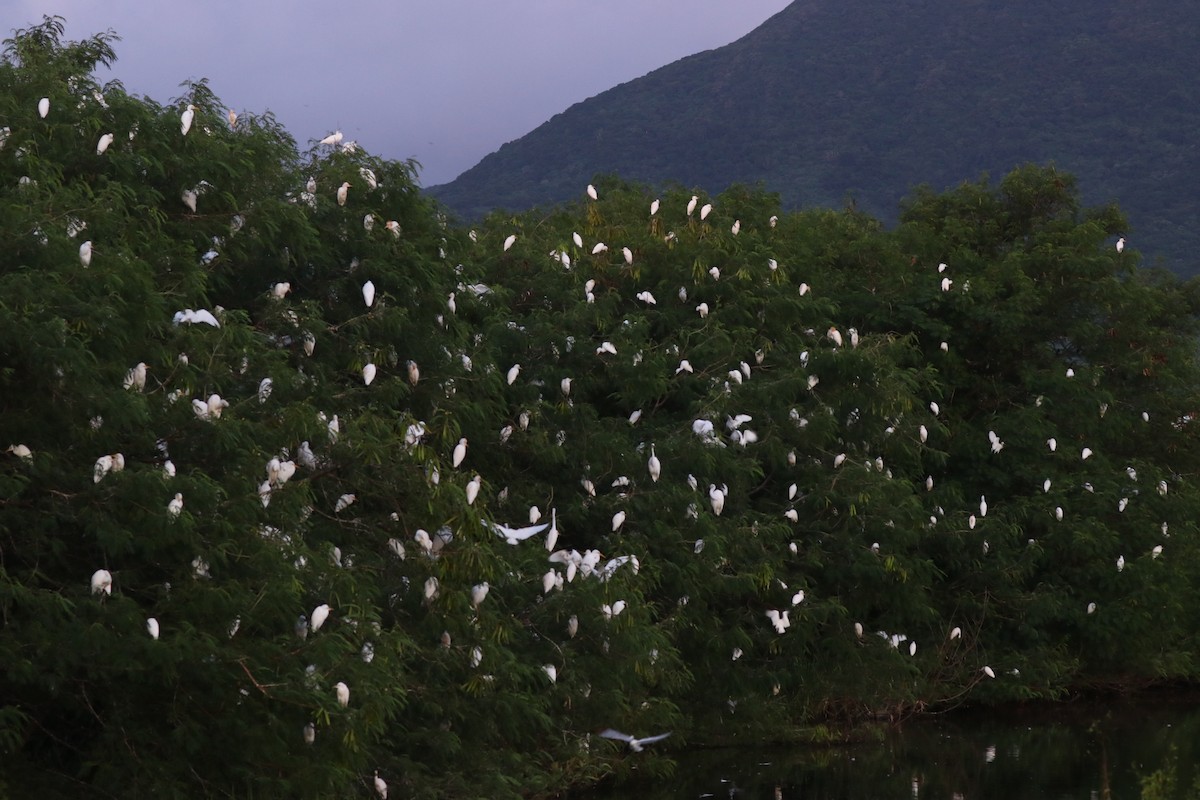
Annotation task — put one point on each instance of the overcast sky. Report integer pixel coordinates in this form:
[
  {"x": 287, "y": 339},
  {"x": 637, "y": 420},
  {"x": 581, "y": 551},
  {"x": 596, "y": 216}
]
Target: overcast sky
[{"x": 443, "y": 81}]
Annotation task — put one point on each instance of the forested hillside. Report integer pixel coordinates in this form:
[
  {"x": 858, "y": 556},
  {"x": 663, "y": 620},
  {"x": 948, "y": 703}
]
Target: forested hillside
[
  {"x": 829, "y": 103},
  {"x": 307, "y": 492}
]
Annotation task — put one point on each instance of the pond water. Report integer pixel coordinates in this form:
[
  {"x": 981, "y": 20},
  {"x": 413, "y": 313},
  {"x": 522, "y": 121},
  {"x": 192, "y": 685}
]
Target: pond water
[{"x": 1100, "y": 750}]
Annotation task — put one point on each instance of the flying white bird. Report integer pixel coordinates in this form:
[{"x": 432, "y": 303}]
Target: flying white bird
[
  {"x": 779, "y": 620},
  {"x": 514, "y": 536},
  {"x": 635, "y": 744}
]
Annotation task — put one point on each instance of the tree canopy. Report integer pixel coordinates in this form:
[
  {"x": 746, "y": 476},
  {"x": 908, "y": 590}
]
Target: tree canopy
[{"x": 308, "y": 487}]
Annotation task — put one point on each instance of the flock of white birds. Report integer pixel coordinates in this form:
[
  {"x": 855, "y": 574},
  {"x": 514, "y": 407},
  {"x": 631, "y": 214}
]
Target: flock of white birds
[{"x": 564, "y": 565}]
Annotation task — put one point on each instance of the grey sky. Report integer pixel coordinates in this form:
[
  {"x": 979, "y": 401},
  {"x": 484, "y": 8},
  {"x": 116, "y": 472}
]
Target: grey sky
[{"x": 443, "y": 81}]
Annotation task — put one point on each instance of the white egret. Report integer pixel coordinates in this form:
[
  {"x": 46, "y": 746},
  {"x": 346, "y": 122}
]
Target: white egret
[
  {"x": 368, "y": 374},
  {"x": 779, "y": 620},
  {"x": 473, "y": 489},
  {"x": 618, "y": 520},
  {"x": 647, "y": 298},
  {"x": 1122, "y": 504},
  {"x": 997, "y": 445},
  {"x": 599, "y": 248},
  {"x": 551, "y": 672},
  {"x": 654, "y": 465},
  {"x": 535, "y": 514},
  {"x": 1085, "y": 453},
  {"x": 513, "y": 372},
  {"x": 955, "y": 633},
  {"x": 102, "y": 582},
  {"x": 773, "y": 221},
  {"x": 1052, "y": 443},
  {"x": 152, "y": 628},
  {"x": 43, "y": 107},
  {"x": 103, "y": 144},
  {"x": 342, "y": 691},
  {"x": 591, "y": 192},
  {"x": 1120, "y": 242},
  {"x": 343, "y": 192},
  {"x": 476, "y": 656},
  {"x": 185, "y": 119},
  {"x": 838, "y": 460},
  {"x": 634, "y": 416},
  {"x": 460, "y": 452},
  {"x": 705, "y": 210},
  {"x": 1120, "y": 563},
  {"x": 1156, "y": 551},
  {"x": 983, "y": 506},
  {"x": 20, "y": 451},
  {"x": 715, "y": 272},
  {"x": 989, "y": 672},
  {"x": 684, "y": 366},
  {"x": 716, "y": 498},
  {"x": 514, "y": 536},
  {"x": 85, "y": 253},
  {"x": 572, "y": 626},
  {"x": 344, "y": 502},
  {"x": 102, "y": 467},
  {"x": 512, "y": 238},
  {"x": 431, "y": 588},
  {"x": 737, "y": 227},
  {"x": 858, "y": 629},
  {"x": 702, "y": 310},
  {"x": 478, "y": 593},
  {"x": 1058, "y": 513},
  {"x": 606, "y": 347},
  {"x": 175, "y": 507},
  {"x": 798, "y": 598},
  {"x": 627, "y": 254}
]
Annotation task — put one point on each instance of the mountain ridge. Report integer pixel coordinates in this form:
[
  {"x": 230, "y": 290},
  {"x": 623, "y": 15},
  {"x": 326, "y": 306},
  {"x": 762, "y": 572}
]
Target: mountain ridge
[{"x": 826, "y": 102}]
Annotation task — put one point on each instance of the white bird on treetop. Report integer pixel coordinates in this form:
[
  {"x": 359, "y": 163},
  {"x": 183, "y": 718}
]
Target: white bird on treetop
[
  {"x": 599, "y": 248},
  {"x": 706, "y": 210},
  {"x": 333, "y": 138},
  {"x": 473, "y": 489},
  {"x": 635, "y": 744},
  {"x": 460, "y": 452},
  {"x": 1120, "y": 243},
  {"x": 691, "y": 206},
  {"x": 591, "y": 192},
  {"x": 653, "y": 207},
  {"x": 577, "y": 239},
  {"x": 368, "y": 293},
  {"x": 716, "y": 498},
  {"x": 343, "y": 192},
  {"x": 185, "y": 119}
]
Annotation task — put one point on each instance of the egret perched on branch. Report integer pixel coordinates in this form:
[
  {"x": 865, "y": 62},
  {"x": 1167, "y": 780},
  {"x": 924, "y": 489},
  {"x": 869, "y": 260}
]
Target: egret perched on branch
[
  {"x": 85, "y": 253},
  {"x": 152, "y": 628},
  {"x": 343, "y": 694},
  {"x": 368, "y": 374},
  {"x": 509, "y": 242},
  {"x": 103, "y": 144},
  {"x": 654, "y": 465},
  {"x": 319, "y": 615},
  {"x": 343, "y": 192},
  {"x": 591, "y": 192},
  {"x": 175, "y": 507},
  {"x": 513, "y": 372},
  {"x": 333, "y": 138},
  {"x": 185, "y": 119},
  {"x": 102, "y": 582},
  {"x": 43, "y": 107},
  {"x": 705, "y": 211},
  {"x": 635, "y": 744}
]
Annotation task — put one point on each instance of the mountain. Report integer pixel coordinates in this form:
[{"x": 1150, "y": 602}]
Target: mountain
[{"x": 836, "y": 101}]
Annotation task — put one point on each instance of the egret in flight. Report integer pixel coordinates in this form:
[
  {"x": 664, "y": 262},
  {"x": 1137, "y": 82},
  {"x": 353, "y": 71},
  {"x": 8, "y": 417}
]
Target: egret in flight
[{"x": 635, "y": 744}]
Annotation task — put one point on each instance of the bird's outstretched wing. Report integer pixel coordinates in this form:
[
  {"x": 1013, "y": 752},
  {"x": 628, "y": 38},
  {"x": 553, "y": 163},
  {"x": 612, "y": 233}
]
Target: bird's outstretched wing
[
  {"x": 656, "y": 738},
  {"x": 518, "y": 534},
  {"x": 612, "y": 733}
]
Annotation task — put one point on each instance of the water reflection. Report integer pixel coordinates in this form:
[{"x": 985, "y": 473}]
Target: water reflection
[{"x": 1100, "y": 750}]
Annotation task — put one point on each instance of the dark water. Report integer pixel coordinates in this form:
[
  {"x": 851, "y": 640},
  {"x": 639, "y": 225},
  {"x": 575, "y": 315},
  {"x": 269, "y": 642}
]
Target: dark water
[{"x": 1102, "y": 750}]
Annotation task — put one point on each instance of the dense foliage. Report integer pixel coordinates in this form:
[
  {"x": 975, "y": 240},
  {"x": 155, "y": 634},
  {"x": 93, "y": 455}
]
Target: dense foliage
[
  {"x": 828, "y": 104},
  {"x": 274, "y": 426}
]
